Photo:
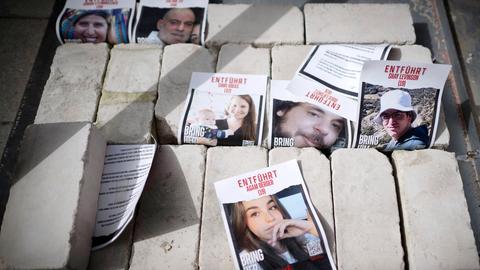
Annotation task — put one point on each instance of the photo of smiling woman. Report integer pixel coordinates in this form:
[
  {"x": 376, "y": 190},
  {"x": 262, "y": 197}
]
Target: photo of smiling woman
[
  {"x": 268, "y": 238},
  {"x": 240, "y": 121},
  {"x": 94, "y": 26}
]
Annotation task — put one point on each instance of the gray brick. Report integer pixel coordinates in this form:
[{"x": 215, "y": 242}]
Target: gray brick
[
  {"x": 315, "y": 169},
  {"x": 436, "y": 222},
  {"x": 287, "y": 59},
  {"x": 243, "y": 59},
  {"x": 50, "y": 215},
  {"x": 73, "y": 89},
  {"x": 125, "y": 121},
  {"x": 358, "y": 23},
  {"x": 261, "y": 25},
  {"x": 366, "y": 211},
  {"x": 133, "y": 68},
  {"x": 222, "y": 162},
  {"x": 167, "y": 227},
  {"x": 179, "y": 61}
]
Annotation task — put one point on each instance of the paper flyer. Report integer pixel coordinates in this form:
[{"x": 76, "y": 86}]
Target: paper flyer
[
  {"x": 296, "y": 122},
  {"x": 125, "y": 171},
  {"x": 330, "y": 75},
  {"x": 270, "y": 221},
  {"x": 399, "y": 104},
  {"x": 224, "y": 109},
  {"x": 95, "y": 21},
  {"x": 165, "y": 22}
]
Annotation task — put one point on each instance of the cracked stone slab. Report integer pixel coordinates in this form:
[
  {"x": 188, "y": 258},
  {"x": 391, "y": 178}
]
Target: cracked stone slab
[
  {"x": 257, "y": 24},
  {"x": 436, "y": 222},
  {"x": 179, "y": 61},
  {"x": 315, "y": 168},
  {"x": 133, "y": 68},
  {"x": 51, "y": 211},
  {"x": 222, "y": 162},
  {"x": 367, "y": 222},
  {"x": 358, "y": 23},
  {"x": 73, "y": 89},
  {"x": 167, "y": 227}
]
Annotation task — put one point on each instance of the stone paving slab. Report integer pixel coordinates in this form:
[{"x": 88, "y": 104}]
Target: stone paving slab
[
  {"x": 133, "y": 68},
  {"x": 286, "y": 59},
  {"x": 358, "y": 23},
  {"x": 50, "y": 215},
  {"x": 125, "y": 122},
  {"x": 315, "y": 168},
  {"x": 436, "y": 222},
  {"x": 167, "y": 226},
  {"x": 260, "y": 25},
  {"x": 243, "y": 59},
  {"x": 222, "y": 162},
  {"x": 73, "y": 89},
  {"x": 179, "y": 61},
  {"x": 366, "y": 211}
]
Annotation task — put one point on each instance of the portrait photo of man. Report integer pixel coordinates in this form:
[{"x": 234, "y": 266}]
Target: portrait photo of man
[
  {"x": 163, "y": 26},
  {"x": 396, "y": 116},
  {"x": 306, "y": 125}
]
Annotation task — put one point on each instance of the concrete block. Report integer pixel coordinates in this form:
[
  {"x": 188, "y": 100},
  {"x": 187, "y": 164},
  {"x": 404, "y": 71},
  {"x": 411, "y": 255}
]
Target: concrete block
[
  {"x": 244, "y": 59},
  {"x": 436, "y": 222},
  {"x": 358, "y": 23},
  {"x": 260, "y": 25},
  {"x": 167, "y": 228},
  {"x": 366, "y": 211},
  {"x": 125, "y": 121},
  {"x": 50, "y": 215},
  {"x": 133, "y": 68},
  {"x": 315, "y": 169},
  {"x": 115, "y": 256},
  {"x": 287, "y": 59},
  {"x": 72, "y": 91},
  {"x": 222, "y": 162},
  {"x": 179, "y": 61}
]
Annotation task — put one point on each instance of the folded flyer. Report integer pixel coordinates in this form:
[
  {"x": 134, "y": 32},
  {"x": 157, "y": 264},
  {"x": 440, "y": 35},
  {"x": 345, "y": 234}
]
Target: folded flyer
[
  {"x": 399, "y": 104},
  {"x": 296, "y": 122},
  {"x": 330, "y": 75},
  {"x": 223, "y": 109},
  {"x": 165, "y": 22},
  {"x": 270, "y": 220},
  {"x": 93, "y": 21},
  {"x": 125, "y": 171}
]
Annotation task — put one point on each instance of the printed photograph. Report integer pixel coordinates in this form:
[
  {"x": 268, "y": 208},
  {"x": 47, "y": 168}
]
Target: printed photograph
[
  {"x": 276, "y": 231},
  {"x": 165, "y": 26},
  {"x": 95, "y": 26},
  {"x": 222, "y": 119},
  {"x": 396, "y": 119},
  {"x": 302, "y": 124}
]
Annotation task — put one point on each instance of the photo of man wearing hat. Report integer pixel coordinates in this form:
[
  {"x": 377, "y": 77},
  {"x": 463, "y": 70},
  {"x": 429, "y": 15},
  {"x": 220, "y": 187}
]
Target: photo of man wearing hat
[{"x": 396, "y": 115}]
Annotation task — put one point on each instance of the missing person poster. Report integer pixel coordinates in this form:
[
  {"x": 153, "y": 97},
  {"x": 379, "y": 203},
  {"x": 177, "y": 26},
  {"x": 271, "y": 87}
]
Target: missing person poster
[
  {"x": 165, "y": 22},
  {"x": 224, "y": 109},
  {"x": 296, "y": 122},
  {"x": 330, "y": 75},
  {"x": 399, "y": 104},
  {"x": 270, "y": 221},
  {"x": 125, "y": 171},
  {"x": 95, "y": 21}
]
